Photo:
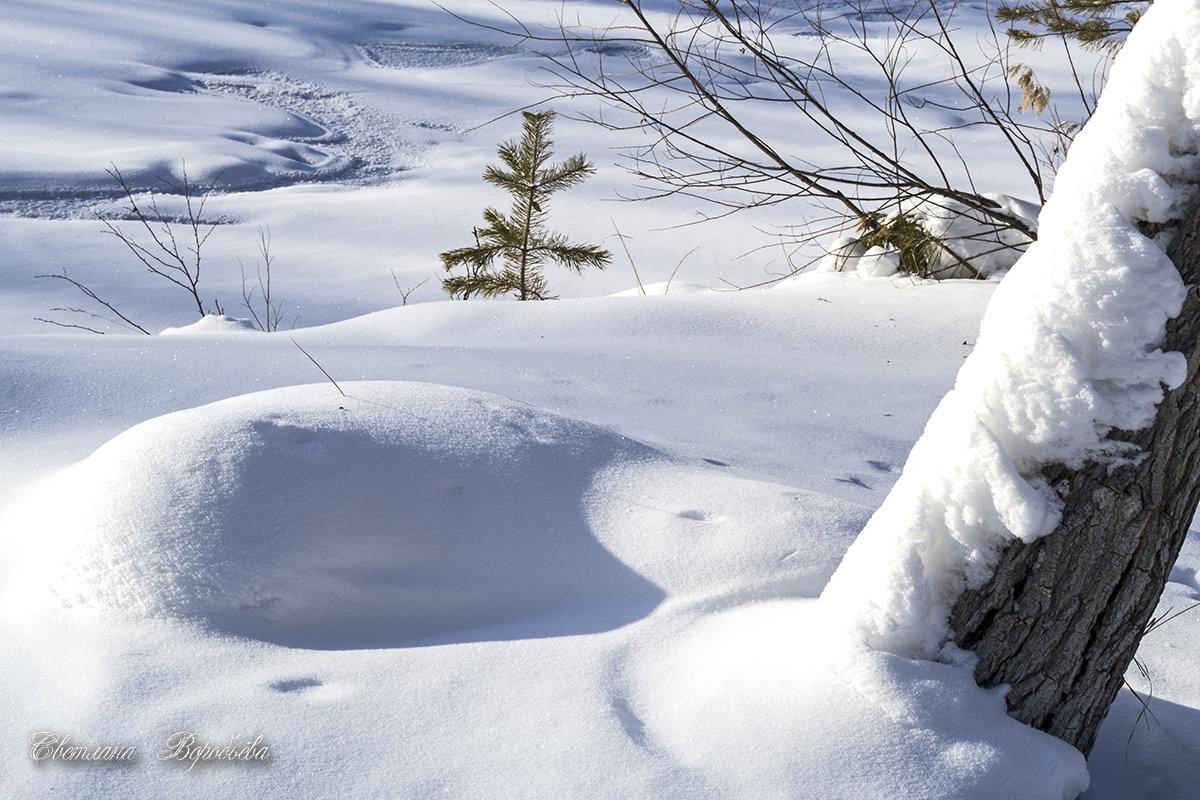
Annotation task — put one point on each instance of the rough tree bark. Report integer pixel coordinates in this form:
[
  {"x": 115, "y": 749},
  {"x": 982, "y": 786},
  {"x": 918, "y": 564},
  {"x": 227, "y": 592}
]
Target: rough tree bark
[{"x": 1061, "y": 619}]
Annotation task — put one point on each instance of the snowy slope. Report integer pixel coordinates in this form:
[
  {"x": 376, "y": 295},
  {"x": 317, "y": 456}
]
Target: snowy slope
[
  {"x": 716, "y": 540},
  {"x": 490, "y": 550}
]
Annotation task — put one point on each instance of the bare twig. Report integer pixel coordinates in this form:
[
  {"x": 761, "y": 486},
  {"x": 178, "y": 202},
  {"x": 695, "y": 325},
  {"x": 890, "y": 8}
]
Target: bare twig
[
  {"x": 671, "y": 277},
  {"x": 633, "y": 266},
  {"x": 65, "y": 324},
  {"x": 1146, "y": 714},
  {"x": 124, "y": 321},
  {"x": 269, "y": 321},
  {"x": 404, "y": 293},
  {"x": 1157, "y": 622}
]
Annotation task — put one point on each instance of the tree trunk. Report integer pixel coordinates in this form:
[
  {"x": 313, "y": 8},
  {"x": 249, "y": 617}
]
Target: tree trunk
[{"x": 1061, "y": 618}]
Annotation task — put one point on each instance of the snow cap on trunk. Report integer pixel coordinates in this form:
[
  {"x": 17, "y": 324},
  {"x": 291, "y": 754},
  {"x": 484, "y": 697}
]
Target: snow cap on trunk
[{"x": 1068, "y": 351}]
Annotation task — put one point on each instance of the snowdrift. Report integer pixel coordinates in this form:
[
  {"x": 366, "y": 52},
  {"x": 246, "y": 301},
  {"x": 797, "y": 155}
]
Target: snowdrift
[
  {"x": 417, "y": 514},
  {"x": 402, "y": 513}
]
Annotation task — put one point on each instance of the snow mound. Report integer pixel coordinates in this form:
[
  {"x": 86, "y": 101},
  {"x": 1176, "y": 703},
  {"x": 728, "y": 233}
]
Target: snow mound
[
  {"x": 980, "y": 248},
  {"x": 661, "y": 288},
  {"x": 722, "y": 697},
  {"x": 402, "y": 513},
  {"x": 212, "y": 324}
]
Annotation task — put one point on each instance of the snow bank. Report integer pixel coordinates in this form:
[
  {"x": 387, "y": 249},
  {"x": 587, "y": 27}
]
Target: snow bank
[
  {"x": 297, "y": 516},
  {"x": 1068, "y": 351},
  {"x": 761, "y": 702},
  {"x": 660, "y": 288},
  {"x": 212, "y": 324},
  {"x": 731, "y": 687}
]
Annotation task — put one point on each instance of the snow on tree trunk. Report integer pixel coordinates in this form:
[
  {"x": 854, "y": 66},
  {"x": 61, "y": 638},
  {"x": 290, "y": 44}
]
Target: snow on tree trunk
[
  {"x": 1038, "y": 517},
  {"x": 1060, "y": 619}
]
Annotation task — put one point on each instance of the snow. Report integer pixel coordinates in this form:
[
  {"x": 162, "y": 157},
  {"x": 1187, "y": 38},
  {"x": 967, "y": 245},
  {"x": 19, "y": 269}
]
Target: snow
[
  {"x": 548, "y": 550},
  {"x": 576, "y": 634}
]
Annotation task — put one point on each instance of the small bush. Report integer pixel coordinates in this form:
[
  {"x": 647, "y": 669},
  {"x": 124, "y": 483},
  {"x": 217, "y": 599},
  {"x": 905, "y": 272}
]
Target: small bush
[{"x": 902, "y": 234}]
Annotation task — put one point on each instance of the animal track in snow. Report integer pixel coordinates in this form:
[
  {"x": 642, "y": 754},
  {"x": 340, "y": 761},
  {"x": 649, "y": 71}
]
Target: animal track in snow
[
  {"x": 364, "y": 140},
  {"x": 418, "y": 55},
  {"x": 294, "y": 685}
]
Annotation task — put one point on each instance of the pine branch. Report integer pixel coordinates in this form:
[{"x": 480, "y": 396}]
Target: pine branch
[
  {"x": 483, "y": 284},
  {"x": 577, "y": 256},
  {"x": 1095, "y": 24},
  {"x": 478, "y": 257},
  {"x": 575, "y": 169}
]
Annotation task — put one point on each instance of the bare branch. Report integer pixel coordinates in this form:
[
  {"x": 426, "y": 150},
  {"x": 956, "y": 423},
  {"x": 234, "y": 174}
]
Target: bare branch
[
  {"x": 124, "y": 320},
  {"x": 159, "y": 250},
  {"x": 269, "y": 321},
  {"x": 694, "y": 83}
]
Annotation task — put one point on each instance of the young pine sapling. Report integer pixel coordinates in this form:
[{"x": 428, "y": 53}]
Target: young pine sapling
[{"x": 519, "y": 239}]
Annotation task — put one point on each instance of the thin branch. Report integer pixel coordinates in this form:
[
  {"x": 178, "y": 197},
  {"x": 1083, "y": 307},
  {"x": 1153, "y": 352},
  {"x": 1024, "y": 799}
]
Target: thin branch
[{"x": 124, "y": 320}]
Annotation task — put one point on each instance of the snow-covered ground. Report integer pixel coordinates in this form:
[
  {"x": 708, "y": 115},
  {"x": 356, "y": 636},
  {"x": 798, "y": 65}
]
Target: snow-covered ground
[{"x": 565, "y": 549}]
